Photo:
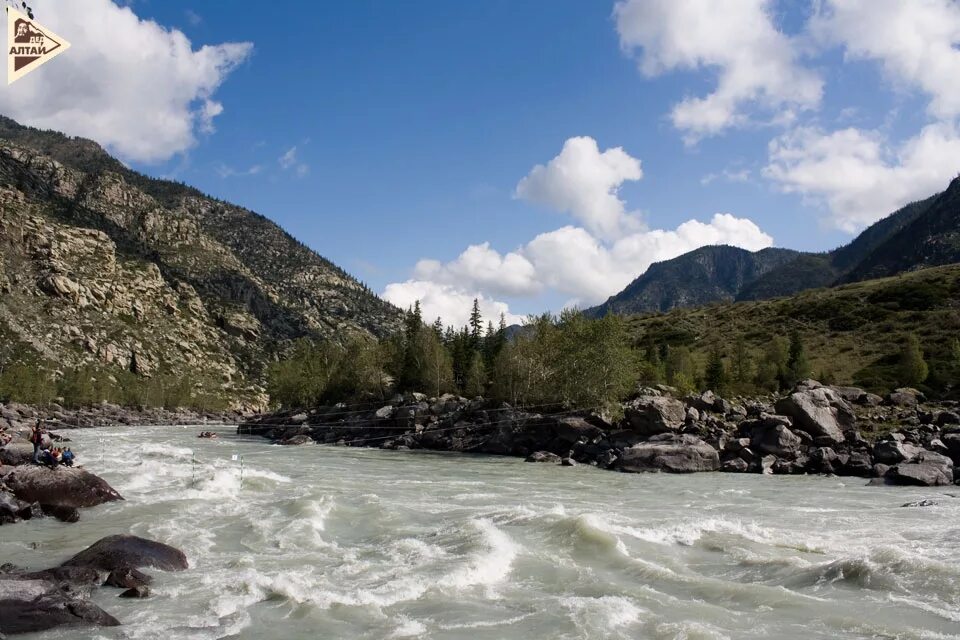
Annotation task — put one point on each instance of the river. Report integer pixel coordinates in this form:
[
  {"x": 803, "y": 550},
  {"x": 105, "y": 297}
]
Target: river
[{"x": 324, "y": 542}]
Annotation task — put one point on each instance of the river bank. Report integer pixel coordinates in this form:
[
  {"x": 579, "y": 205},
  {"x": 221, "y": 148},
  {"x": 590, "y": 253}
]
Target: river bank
[
  {"x": 16, "y": 417},
  {"x": 900, "y": 439}
]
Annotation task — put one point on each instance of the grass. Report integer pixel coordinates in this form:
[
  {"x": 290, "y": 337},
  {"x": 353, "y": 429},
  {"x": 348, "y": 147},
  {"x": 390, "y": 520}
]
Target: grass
[{"x": 854, "y": 331}]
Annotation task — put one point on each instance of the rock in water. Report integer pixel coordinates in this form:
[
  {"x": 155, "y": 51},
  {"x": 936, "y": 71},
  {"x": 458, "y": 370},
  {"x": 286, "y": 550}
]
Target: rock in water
[
  {"x": 60, "y": 487},
  {"x": 37, "y": 605},
  {"x": 126, "y": 551},
  {"x": 820, "y": 411},
  {"x": 680, "y": 454},
  {"x": 127, "y": 578},
  {"x": 927, "y": 469},
  {"x": 544, "y": 456},
  {"x": 136, "y": 592}
]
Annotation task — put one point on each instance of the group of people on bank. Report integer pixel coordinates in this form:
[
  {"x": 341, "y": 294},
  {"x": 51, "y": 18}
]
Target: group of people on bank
[{"x": 45, "y": 453}]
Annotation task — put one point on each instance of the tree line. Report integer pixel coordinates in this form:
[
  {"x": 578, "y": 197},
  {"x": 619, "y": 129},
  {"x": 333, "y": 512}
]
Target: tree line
[{"x": 567, "y": 359}]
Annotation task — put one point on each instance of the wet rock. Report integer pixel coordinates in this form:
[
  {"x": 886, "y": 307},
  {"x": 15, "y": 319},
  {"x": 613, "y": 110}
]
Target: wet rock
[
  {"x": 858, "y": 464},
  {"x": 677, "y": 454},
  {"x": 127, "y": 578},
  {"x": 824, "y": 460},
  {"x": 921, "y": 503},
  {"x": 544, "y": 456},
  {"x": 60, "y": 487},
  {"x": 819, "y": 411},
  {"x": 734, "y": 465},
  {"x": 61, "y": 513},
  {"x": 926, "y": 469},
  {"x": 568, "y": 462},
  {"x": 297, "y": 440},
  {"x": 136, "y": 592},
  {"x": 28, "y": 606},
  {"x": 123, "y": 551},
  {"x": 652, "y": 415},
  {"x": 73, "y": 575}
]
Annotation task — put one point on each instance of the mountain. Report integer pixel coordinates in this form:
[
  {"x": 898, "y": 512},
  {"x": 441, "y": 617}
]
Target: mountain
[
  {"x": 102, "y": 266},
  {"x": 921, "y": 234},
  {"x": 708, "y": 274}
]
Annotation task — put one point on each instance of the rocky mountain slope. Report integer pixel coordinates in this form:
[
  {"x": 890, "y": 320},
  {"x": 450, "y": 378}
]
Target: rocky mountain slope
[
  {"x": 922, "y": 234},
  {"x": 103, "y": 266},
  {"x": 705, "y": 275}
]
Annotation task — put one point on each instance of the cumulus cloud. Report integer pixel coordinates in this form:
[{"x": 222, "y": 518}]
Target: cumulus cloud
[
  {"x": 757, "y": 65},
  {"x": 915, "y": 42},
  {"x": 480, "y": 267},
  {"x": 568, "y": 260},
  {"x": 448, "y": 302},
  {"x": 858, "y": 175},
  {"x": 583, "y": 181},
  {"x": 727, "y": 175},
  {"x": 137, "y": 88}
]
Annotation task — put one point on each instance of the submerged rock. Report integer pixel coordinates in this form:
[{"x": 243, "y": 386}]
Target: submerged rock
[
  {"x": 543, "y": 456},
  {"x": 127, "y": 578},
  {"x": 126, "y": 551}
]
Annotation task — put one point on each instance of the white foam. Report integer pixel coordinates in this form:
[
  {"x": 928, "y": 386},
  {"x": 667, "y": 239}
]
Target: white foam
[{"x": 490, "y": 565}]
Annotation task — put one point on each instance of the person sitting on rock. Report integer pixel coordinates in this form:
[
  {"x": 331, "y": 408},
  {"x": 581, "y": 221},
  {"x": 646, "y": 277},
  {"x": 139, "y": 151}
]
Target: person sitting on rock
[{"x": 68, "y": 457}]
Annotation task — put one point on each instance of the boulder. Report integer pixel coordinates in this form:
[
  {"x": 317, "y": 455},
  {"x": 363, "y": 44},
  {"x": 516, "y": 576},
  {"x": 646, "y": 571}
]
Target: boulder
[
  {"x": 544, "y": 456},
  {"x": 904, "y": 397},
  {"x": 778, "y": 440},
  {"x": 927, "y": 469},
  {"x": 651, "y": 415},
  {"x": 126, "y": 551},
  {"x": 73, "y": 575},
  {"x": 570, "y": 429},
  {"x": 28, "y": 606},
  {"x": 127, "y": 578},
  {"x": 15, "y": 454},
  {"x": 13, "y": 509},
  {"x": 892, "y": 452},
  {"x": 820, "y": 411},
  {"x": 677, "y": 454},
  {"x": 952, "y": 442},
  {"x": 298, "y": 440},
  {"x": 825, "y": 460},
  {"x": 61, "y": 513},
  {"x": 136, "y": 592},
  {"x": 60, "y": 487}
]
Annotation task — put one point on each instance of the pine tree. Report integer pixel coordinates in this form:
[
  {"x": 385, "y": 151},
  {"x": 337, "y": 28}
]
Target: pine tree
[
  {"x": 438, "y": 328},
  {"x": 715, "y": 375},
  {"x": 475, "y": 380},
  {"x": 798, "y": 367},
  {"x": 476, "y": 325},
  {"x": 742, "y": 362},
  {"x": 410, "y": 372},
  {"x": 912, "y": 368}
]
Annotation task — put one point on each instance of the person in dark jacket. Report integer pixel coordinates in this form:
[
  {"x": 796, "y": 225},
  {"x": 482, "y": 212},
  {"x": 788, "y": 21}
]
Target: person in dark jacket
[{"x": 36, "y": 437}]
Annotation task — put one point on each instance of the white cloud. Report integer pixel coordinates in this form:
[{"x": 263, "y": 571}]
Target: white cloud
[
  {"x": 727, "y": 175},
  {"x": 445, "y": 301},
  {"x": 583, "y": 182},
  {"x": 480, "y": 267},
  {"x": 915, "y": 41},
  {"x": 756, "y": 63},
  {"x": 568, "y": 260},
  {"x": 225, "y": 171},
  {"x": 858, "y": 175},
  {"x": 290, "y": 161},
  {"x": 135, "y": 87}
]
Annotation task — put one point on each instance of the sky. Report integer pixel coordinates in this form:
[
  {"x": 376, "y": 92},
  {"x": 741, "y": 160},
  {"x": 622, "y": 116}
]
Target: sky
[{"x": 534, "y": 154}]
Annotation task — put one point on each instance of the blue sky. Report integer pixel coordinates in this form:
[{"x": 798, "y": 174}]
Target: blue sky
[{"x": 387, "y": 133}]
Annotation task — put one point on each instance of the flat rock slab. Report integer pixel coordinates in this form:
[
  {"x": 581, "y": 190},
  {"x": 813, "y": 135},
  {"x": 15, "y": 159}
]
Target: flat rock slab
[
  {"x": 126, "y": 551},
  {"x": 686, "y": 454},
  {"x": 37, "y": 605},
  {"x": 60, "y": 487}
]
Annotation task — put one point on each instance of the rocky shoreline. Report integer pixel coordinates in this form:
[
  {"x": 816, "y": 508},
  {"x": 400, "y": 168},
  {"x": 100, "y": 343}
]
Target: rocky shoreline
[
  {"x": 900, "y": 439},
  {"x": 17, "y": 417}
]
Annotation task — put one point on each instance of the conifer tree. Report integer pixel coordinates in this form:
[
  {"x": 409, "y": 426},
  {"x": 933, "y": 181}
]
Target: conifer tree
[
  {"x": 912, "y": 368},
  {"x": 798, "y": 367},
  {"x": 476, "y": 326},
  {"x": 715, "y": 375}
]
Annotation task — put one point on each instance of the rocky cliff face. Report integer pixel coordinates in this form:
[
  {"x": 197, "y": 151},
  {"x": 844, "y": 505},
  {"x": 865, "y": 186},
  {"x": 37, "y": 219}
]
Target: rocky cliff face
[{"x": 103, "y": 266}]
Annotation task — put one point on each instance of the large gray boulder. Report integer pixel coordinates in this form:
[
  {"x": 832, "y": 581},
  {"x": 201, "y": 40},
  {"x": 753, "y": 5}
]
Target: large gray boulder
[
  {"x": 775, "y": 439},
  {"x": 126, "y": 551},
  {"x": 16, "y": 453},
  {"x": 819, "y": 411},
  {"x": 894, "y": 452},
  {"x": 676, "y": 454},
  {"x": 928, "y": 469},
  {"x": 60, "y": 487},
  {"x": 571, "y": 429},
  {"x": 30, "y": 605},
  {"x": 652, "y": 415}
]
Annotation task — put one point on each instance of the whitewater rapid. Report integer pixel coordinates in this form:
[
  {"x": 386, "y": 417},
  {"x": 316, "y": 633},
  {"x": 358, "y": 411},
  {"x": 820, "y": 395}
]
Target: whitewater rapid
[{"x": 325, "y": 542}]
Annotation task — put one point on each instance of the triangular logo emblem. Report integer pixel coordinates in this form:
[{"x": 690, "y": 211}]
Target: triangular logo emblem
[{"x": 29, "y": 45}]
